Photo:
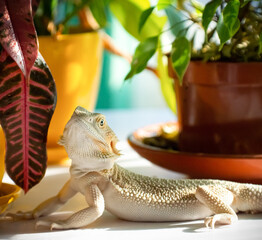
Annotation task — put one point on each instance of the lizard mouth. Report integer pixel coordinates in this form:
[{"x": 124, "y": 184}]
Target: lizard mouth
[{"x": 113, "y": 147}]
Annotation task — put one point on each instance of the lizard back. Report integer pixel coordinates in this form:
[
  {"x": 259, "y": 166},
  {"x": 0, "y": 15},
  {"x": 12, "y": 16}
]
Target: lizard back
[{"x": 148, "y": 199}]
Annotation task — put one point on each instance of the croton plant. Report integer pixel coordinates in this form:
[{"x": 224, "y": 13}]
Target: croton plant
[{"x": 27, "y": 93}]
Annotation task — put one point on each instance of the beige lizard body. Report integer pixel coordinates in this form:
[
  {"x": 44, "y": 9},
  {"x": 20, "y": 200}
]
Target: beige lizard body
[{"x": 90, "y": 143}]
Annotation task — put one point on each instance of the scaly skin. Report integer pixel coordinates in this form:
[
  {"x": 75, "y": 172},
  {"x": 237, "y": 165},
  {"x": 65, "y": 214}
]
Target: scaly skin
[{"x": 90, "y": 143}]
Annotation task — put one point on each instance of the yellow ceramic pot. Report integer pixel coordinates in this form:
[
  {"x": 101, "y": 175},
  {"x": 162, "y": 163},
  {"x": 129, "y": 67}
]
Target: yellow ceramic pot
[
  {"x": 75, "y": 63},
  {"x": 8, "y": 193}
]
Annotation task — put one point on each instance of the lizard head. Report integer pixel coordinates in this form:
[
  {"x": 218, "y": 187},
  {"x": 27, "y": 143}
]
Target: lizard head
[{"x": 89, "y": 141}]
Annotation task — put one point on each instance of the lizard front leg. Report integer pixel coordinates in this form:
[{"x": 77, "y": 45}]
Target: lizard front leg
[
  {"x": 48, "y": 206},
  {"x": 83, "y": 217},
  {"x": 218, "y": 199}
]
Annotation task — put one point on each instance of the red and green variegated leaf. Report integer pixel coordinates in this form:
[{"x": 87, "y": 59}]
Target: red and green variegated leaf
[
  {"x": 26, "y": 108},
  {"x": 17, "y": 33}
]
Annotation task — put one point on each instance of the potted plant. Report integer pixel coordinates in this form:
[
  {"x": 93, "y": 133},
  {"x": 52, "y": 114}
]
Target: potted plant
[
  {"x": 215, "y": 60},
  {"x": 28, "y": 94},
  {"x": 28, "y": 91}
]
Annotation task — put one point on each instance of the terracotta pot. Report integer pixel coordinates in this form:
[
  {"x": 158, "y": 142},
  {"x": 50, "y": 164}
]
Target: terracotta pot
[
  {"x": 220, "y": 108},
  {"x": 75, "y": 62}
]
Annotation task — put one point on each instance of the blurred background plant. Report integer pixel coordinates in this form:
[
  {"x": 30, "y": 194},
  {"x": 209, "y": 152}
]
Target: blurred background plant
[
  {"x": 120, "y": 20},
  {"x": 69, "y": 16},
  {"x": 219, "y": 30}
]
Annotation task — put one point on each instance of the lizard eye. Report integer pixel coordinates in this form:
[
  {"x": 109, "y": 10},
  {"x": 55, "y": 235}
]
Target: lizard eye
[{"x": 101, "y": 122}]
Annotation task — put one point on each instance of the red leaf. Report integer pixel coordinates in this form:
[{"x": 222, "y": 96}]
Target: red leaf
[
  {"x": 26, "y": 108},
  {"x": 17, "y": 32}
]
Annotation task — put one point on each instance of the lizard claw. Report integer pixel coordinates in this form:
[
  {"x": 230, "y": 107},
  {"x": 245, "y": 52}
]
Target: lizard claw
[
  {"x": 223, "y": 218},
  {"x": 49, "y": 224},
  {"x": 210, "y": 222},
  {"x": 44, "y": 223}
]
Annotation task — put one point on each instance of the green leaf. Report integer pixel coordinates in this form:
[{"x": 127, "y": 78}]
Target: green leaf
[
  {"x": 98, "y": 9},
  {"x": 49, "y": 8},
  {"x": 260, "y": 44},
  {"x": 198, "y": 6},
  {"x": 166, "y": 83},
  {"x": 209, "y": 12},
  {"x": 144, "y": 51},
  {"x": 128, "y": 13},
  {"x": 144, "y": 16},
  {"x": 176, "y": 20},
  {"x": 180, "y": 56},
  {"x": 228, "y": 23},
  {"x": 223, "y": 32},
  {"x": 230, "y": 14},
  {"x": 163, "y": 4},
  {"x": 245, "y": 2}
]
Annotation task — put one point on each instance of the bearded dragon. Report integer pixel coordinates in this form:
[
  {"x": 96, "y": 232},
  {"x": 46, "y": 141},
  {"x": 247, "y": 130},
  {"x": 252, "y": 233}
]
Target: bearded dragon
[{"x": 91, "y": 145}]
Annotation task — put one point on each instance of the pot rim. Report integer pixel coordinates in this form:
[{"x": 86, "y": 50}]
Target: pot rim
[{"x": 232, "y": 74}]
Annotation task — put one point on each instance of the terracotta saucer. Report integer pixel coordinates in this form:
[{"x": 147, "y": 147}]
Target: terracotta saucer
[{"x": 241, "y": 168}]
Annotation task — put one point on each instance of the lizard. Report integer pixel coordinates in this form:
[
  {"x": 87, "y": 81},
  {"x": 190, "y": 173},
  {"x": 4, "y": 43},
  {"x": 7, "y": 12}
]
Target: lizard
[{"x": 91, "y": 145}]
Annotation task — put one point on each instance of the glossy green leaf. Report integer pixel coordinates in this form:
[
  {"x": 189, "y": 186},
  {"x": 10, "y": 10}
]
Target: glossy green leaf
[
  {"x": 177, "y": 21},
  {"x": 223, "y": 32},
  {"x": 209, "y": 12},
  {"x": 144, "y": 16},
  {"x": 167, "y": 83},
  {"x": 230, "y": 15},
  {"x": 144, "y": 51},
  {"x": 180, "y": 56},
  {"x": 98, "y": 10},
  {"x": 228, "y": 23},
  {"x": 163, "y": 4},
  {"x": 198, "y": 6},
  {"x": 128, "y": 13}
]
